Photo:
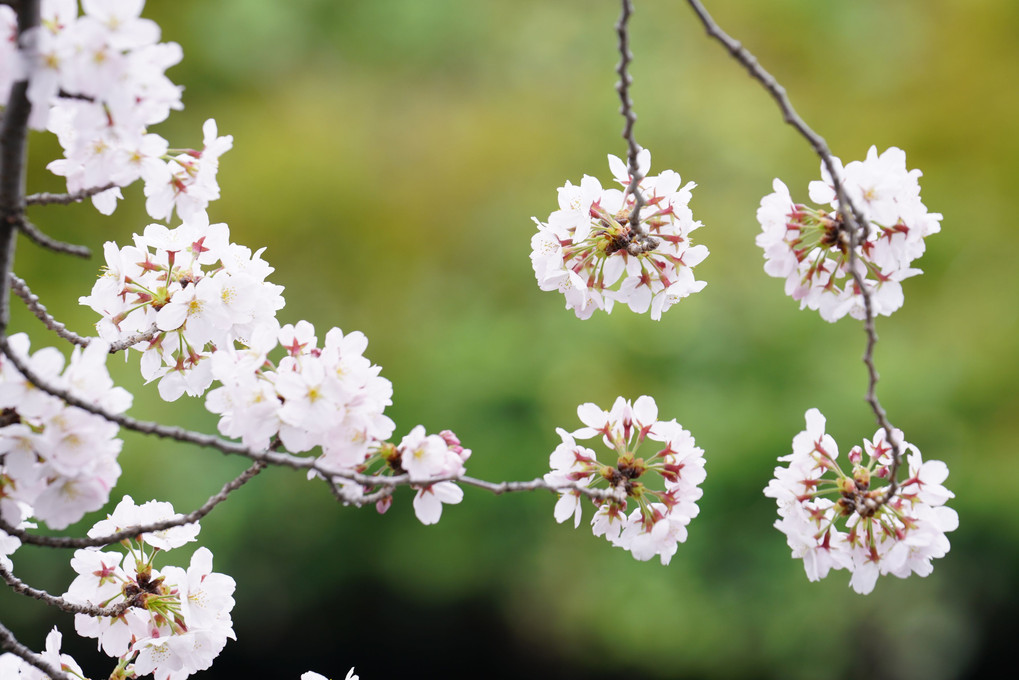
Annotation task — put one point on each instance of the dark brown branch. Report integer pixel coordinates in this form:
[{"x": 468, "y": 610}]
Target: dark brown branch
[
  {"x": 13, "y": 149},
  {"x": 36, "y": 236},
  {"x": 22, "y": 588},
  {"x": 66, "y": 199},
  {"x": 153, "y": 428},
  {"x": 31, "y": 301},
  {"x": 64, "y": 94},
  {"x": 626, "y": 109},
  {"x": 853, "y": 218},
  {"x": 133, "y": 532},
  {"x": 10, "y": 644}
]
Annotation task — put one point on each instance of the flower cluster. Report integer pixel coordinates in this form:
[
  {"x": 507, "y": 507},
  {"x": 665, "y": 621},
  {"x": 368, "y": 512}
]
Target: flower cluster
[
  {"x": 422, "y": 457},
  {"x": 199, "y": 290},
  {"x": 214, "y": 316},
  {"x": 57, "y": 462},
  {"x": 332, "y": 397},
  {"x": 589, "y": 251},
  {"x": 809, "y": 247},
  {"x": 658, "y": 522},
  {"x": 214, "y": 319},
  {"x": 177, "y": 621},
  {"x": 845, "y": 521},
  {"x": 98, "y": 82}
]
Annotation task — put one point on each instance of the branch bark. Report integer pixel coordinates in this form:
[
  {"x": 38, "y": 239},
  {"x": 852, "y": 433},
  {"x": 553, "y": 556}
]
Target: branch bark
[{"x": 852, "y": 217}]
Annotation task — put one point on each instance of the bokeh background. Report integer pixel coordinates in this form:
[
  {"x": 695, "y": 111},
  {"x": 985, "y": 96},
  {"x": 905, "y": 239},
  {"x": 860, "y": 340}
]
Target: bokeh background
[{"x": 391, "y": 154}]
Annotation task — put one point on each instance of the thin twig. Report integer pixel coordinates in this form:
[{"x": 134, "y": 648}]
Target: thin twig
[
  {"x": 66, "y": 199},
  {"x": 133, "y": 339},
  {"x": 31, "y": 301},
  {"x": 497, "y": 488},
  {"x": 10, "y": 644},
  {"x": 133, "y": 532},
  {"x": 854, "y": 220},
  {"x": 64, "y": 94},
  {"x": 629, "y": 117},
  {"x": 36, "y": 236},
  {"x": 22, "y": 588}
]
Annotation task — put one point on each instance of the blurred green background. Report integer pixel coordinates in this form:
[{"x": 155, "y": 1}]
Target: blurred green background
[{"x": 391, "y": 153}]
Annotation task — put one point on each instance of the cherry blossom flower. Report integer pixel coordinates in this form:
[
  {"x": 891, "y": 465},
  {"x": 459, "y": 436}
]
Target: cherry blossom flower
[
  {"x": 59, "y": 459},
  {"x": 834, "y": 519},
  {"x": 127, "y": 514},
  {"x": 98, "y": 81},
  {"x": 178, "y": 621},
  {"x": 12, "y": 666},
  {"x": 589, "y": 251},
  {"x": 809, "y": 247},
  {"x": 655, "y": 520}
]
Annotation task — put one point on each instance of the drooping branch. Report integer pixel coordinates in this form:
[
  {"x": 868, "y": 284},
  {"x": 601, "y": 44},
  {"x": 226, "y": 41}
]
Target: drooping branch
[
  {"x": 626, "y": 109},
  {"x": 22, "y": 588},
  {"x": 857, "y": 225},
  {"x": 66, "y": 199},
  {"x": 36, "y": 236},
  {"x": 31, "y": 301},
  {"x": 9, "y": 643},
  {"x": 134, "y": 532}
]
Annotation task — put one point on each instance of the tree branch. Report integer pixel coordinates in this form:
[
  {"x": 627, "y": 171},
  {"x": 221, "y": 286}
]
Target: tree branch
[
  {"x": 31, "y": 301},
  {"x": 10, "y": 643},
  {"x": 13, "y": 149},
  {"x": 66, "y": 199},
  {"x": 629, "y": 117},
  {"x": 274, "y": 458},
  {"x": 22, "y": 588},
  {"x": 387, "y": 485},
  {"x": 134, "y": 532},
  {"x": 857, "y": 225},
  {"x": 36, "y": 236}
]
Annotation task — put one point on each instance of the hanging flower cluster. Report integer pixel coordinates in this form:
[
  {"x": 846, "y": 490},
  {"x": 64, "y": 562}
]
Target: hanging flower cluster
[
  {"x": 835, "y": 519},
  {"x": 658, "y": 522},
  {"x": 589, "y": 251},
  {"x": 178, "y": 620},
  {"x": 57, "y": 462},
  {"x": 809, "y": 247}
]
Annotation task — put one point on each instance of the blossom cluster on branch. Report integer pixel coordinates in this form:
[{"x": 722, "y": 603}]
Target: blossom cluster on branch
[
  {"x": 57, "y": 462},
  {"x": 658, "y": 522},
  {"x": 591, "y": 252},
  {"x": 843, "y": 519},
  {"x": 809, "y": 247}
]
